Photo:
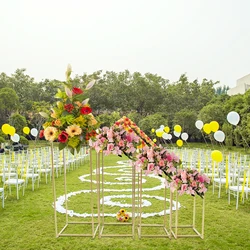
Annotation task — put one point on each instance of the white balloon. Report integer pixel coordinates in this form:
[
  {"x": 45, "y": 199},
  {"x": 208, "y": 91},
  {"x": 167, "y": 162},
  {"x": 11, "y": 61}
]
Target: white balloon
[
  {"x": 34, "y": 132},
  {"x": 199, "y": 124},
  {"x": 233, "y": 118},
  {"x": 15, "y": 138},
  {"x": 184, "y": 136},
  {"x": 169, "y": 136},
  {"x": 219, "y": 136},
  {"x": 165, "y": 136},
  {"x": 159, "y": 130},
  {"x": 177, "y": 134},
  {"x": 162, "y": 127}
]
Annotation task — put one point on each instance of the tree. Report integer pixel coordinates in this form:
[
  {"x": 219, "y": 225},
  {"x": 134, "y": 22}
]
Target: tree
[
  {"x": 8, "y": 103},
  {"x": 186, "y": 119},
  {"x": 153, "y": 121},
  {"x": 18, "y": 122}
]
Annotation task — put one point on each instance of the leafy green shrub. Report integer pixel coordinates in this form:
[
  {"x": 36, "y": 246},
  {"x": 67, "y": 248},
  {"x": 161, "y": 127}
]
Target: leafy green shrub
[
  {"x": 2, "y": 140},
  {"x": 24, "y": 141}
]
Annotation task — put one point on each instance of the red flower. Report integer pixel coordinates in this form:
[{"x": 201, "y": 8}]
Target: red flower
[
  {"x": 77, "y": 91},
  {"x": 63, "y": 137},
  {"x": 41, "y": 134},
  {"x": 69, "y": 107},
  {"x": 86, "y": 110}
]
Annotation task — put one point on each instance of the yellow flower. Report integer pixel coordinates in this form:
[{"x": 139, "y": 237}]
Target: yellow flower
[
  {"x": 73, "y": 130},
  {"x": 92, "y": 121},
  {"x": 50, "y": 133}
]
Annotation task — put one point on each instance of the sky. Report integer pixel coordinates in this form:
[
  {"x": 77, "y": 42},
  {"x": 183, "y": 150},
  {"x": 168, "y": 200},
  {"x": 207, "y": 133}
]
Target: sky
[{"x": 202, "y": 38}]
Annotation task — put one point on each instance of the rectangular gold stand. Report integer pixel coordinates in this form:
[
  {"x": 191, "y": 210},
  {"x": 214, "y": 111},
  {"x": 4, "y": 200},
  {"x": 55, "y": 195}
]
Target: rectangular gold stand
[
  {"x": 163, "y": 226},
  {"x": 103, "y": 224},
  {"x": 174, "y": 228},
  {"x": 94, "y": 228}
]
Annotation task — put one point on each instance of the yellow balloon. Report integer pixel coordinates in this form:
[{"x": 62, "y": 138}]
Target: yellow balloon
[
  {"x": 154, "y": 140},
  {"x": 152, "y": 130},
  {"x": 207, "y": 128},
  {"x": 26, "y": 130},
  {"x": 217, "y": 156},
  {"x": 214, "y": 125},
  {"x": 5, "y": 128},
  {"x": 177, "y": 128},
  {"x": 12, "y": 130},
  {"x": 159, "y": 133},
  {"x": 167, "y": 129},
  {"x": 179, "y": 143}
]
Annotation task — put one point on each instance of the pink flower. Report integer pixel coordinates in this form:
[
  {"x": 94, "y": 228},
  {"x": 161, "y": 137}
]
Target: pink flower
[
  {"x": 110, "y": 147},
  {"x": 121, "y": 143},
  {"x": 161, "y": 163}
]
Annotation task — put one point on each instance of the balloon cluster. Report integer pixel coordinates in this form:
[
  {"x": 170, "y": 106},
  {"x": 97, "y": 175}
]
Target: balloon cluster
[
  {"x": 10, "y": 130},
  {"x": 163, "y": 132},
  {"x": 232, "y": 117}
]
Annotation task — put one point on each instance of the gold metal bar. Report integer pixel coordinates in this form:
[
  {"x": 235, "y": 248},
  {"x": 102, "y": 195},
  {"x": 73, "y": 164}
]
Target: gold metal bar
[
  {"x": 65, "y": 186},
  {"x": 194, "y": 210},
  {"x": 91, "y": 190},
  {"x": 62, "y": 229},
  {"x": 53, "y": 186},
  {"x": 203, "y": 218},
  {"x": 176, "y": 215}
]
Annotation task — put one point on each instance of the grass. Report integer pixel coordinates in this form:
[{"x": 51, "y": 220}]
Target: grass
[{"x": 28, "y": 223}]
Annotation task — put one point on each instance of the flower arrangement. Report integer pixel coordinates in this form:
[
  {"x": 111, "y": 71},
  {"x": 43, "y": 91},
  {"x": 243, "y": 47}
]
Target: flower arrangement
[
  {"x": 189, "y": 181},
  {"x": 71, "y": 121},
  {"x": 122, "y": 215},
  {"x": 125, "y": 137},
  {"x": 157, "y": 160}
]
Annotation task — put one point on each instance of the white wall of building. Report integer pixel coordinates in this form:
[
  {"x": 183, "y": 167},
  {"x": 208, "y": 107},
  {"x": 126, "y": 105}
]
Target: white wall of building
[{"x": 242, "y": 85}]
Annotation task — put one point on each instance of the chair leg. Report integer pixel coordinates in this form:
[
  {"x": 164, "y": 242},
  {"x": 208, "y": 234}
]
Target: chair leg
[{"x": 17, "y": 192}]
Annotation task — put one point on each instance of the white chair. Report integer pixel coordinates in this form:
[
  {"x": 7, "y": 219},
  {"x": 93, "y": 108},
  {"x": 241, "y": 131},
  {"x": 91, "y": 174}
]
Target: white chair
[
  {"x": 237, "y": 188},
  {"x": 2, "y": 172},
  {"x": 12, "y": 179}
]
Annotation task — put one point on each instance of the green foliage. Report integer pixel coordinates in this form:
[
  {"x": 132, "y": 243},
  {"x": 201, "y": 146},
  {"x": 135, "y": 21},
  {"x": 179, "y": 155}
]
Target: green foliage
[
  {"x": 153, "y": 121},
  {"x": 2, "y": 140},
  {"x": 107, "y": 120},
  {"x": 135, "y": 117},
  {"x": 18, "y": 122},
  {"x": 24, "y": 140},
  {"x": 212, "y": 112},
  {"x": 186, "y": 119},
  {"x": 8, "y": 103},
  {"x": 228, "y": 130}
]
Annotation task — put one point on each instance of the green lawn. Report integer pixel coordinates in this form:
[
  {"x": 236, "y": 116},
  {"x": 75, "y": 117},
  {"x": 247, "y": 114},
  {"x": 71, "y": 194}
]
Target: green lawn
[{"x": 29, "y": 222}]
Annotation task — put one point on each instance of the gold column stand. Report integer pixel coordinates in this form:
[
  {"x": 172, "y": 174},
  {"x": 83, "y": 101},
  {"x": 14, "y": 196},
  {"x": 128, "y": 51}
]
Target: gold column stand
[
  {"x": 164, "y": 226},
  {"x": 176, "y": 226},
  {"x": 103, "y": 224},
  {"x": 94, "y": 228}
]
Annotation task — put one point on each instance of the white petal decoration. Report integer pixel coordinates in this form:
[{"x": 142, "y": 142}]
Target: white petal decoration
[{"x": 90, "y": 84}]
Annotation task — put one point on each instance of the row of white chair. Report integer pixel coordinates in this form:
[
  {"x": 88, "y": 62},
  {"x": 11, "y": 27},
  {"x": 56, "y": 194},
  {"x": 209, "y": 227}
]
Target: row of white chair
[{"x": 18, "y": 169}]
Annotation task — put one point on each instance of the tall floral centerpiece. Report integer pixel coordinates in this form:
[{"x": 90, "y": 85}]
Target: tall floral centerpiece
[{"x": 71, "y": 121}]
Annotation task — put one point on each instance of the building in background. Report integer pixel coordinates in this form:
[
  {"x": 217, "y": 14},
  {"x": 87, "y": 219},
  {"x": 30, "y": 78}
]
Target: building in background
[{"x": 242, "y": 85}]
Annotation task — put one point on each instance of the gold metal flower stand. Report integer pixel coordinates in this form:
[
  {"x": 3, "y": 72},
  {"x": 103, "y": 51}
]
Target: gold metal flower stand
[
  {"x": 163, "y": 229},
  {"x": 84, "y": 228},
  {"x": 194, "y": 209},
  {"x": 127, "y": 227}
]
